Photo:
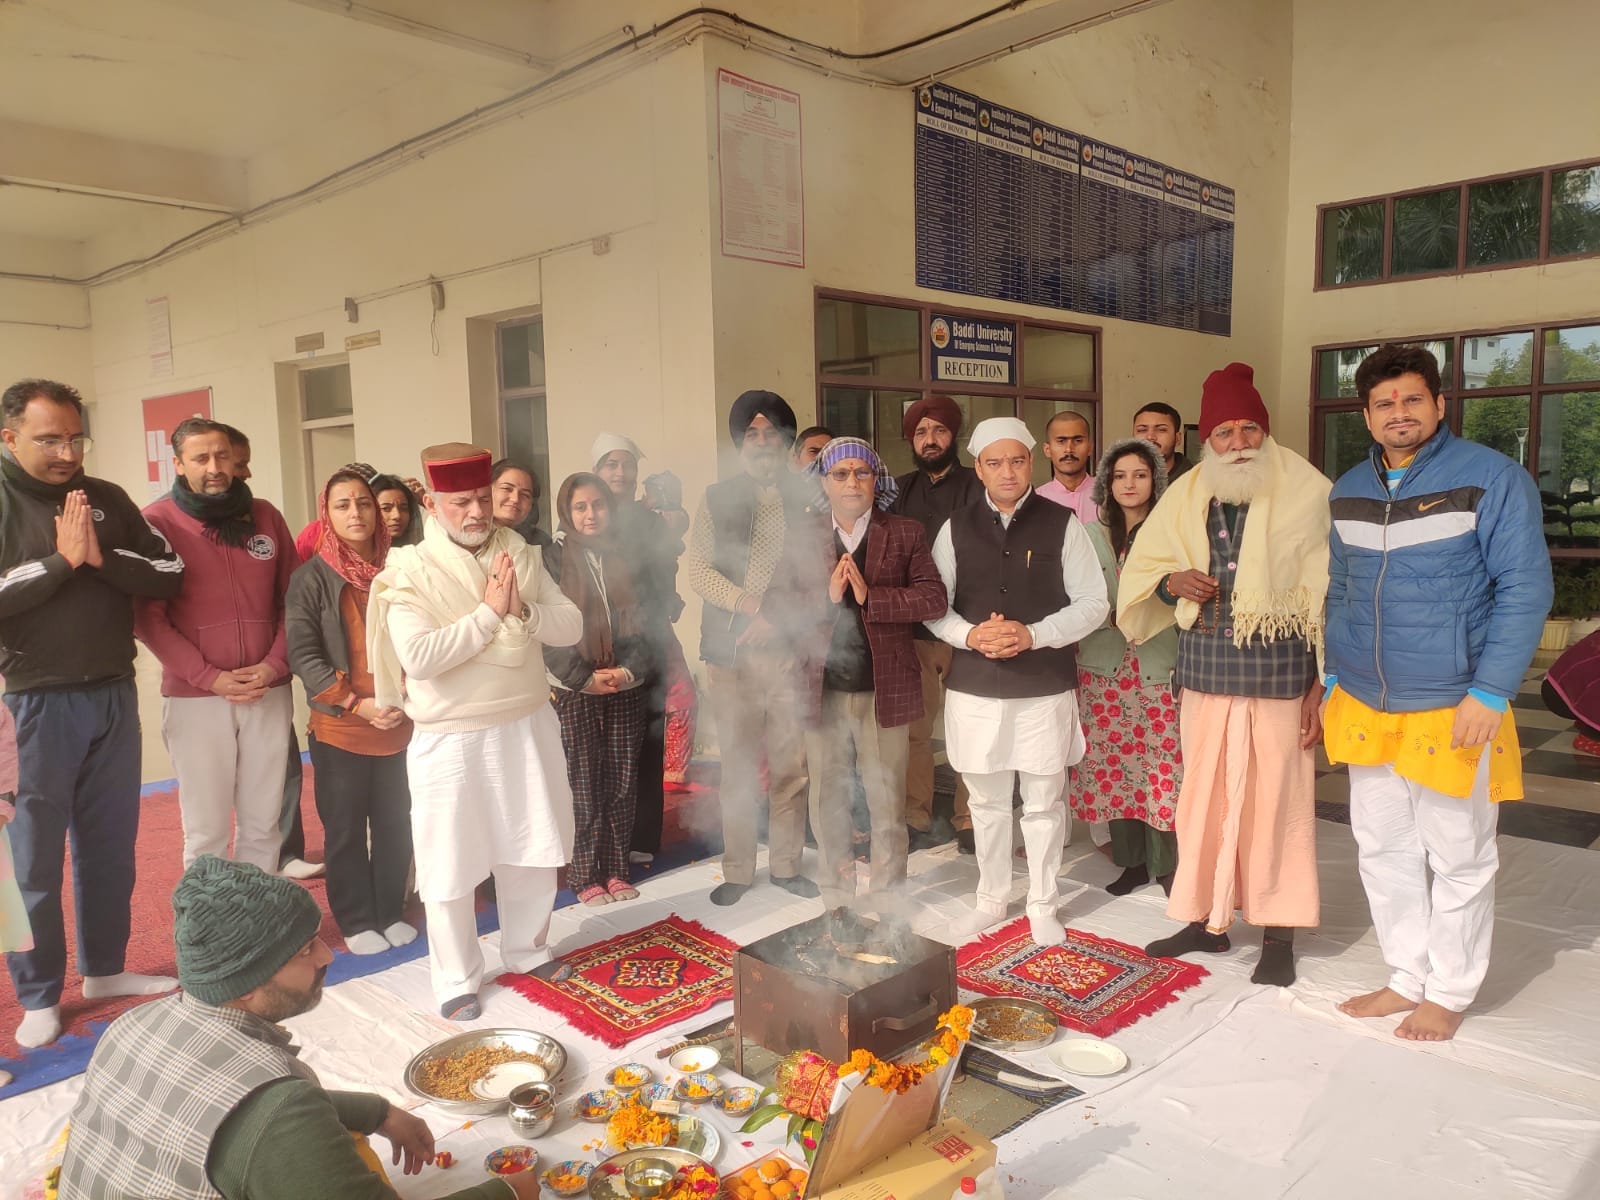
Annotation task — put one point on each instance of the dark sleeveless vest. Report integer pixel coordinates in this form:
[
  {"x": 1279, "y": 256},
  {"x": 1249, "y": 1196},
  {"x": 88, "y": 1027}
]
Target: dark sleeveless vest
[
  {"x": 1015, "y": 571},
  {"x": 731, "y": 504}
]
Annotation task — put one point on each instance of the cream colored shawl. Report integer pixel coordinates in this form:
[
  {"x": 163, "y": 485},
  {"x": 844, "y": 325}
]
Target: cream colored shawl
[
  {"x": 1282, "y": 583},
  {"x": 445, "y": 582}
]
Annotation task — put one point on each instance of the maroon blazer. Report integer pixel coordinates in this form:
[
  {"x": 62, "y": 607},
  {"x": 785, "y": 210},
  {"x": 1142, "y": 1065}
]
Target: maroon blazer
[{"x": 903, "y": 590}]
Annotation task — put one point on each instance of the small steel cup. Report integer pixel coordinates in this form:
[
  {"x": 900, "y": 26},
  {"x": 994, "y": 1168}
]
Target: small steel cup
[
  {"x": 533, "y": 1110},
  {"x": 647, "y": 1178}
]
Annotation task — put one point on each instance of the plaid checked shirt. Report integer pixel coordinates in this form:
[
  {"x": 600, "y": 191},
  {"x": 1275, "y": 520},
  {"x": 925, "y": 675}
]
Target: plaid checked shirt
[{"x": 1210, "y": 662}]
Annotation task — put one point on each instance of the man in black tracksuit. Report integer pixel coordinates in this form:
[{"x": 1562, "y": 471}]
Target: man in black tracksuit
[{"x": 74, "y": 552}]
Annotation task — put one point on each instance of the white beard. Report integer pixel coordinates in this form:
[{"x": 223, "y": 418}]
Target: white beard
[{"x": 1237, "y": 483}]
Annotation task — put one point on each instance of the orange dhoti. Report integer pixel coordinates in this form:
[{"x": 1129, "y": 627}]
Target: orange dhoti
[{"x": 1246, "y": 815}]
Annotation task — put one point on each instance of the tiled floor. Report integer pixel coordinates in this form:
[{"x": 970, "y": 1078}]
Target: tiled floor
[{"x": 1562, "y": 786}]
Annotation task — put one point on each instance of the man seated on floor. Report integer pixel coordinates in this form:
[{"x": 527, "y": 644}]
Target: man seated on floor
[
  {"x": 1440, "y": 582},
  {"x": 456, "y": 633},
  {"x": 203, "y": 1093}
]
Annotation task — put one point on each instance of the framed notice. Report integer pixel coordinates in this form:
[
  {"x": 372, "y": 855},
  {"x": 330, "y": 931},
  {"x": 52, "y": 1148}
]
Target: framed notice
[
  {"x": 163, "y": 414},
  {"x": 759, "y": 171}
]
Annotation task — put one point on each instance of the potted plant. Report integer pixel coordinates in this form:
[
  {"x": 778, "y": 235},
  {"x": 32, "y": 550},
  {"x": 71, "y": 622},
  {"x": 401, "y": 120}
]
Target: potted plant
[{"x": 1577, "y": 600}]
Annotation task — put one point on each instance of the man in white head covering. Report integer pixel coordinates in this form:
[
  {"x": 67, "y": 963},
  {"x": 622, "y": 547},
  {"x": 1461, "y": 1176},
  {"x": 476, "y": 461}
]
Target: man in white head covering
[{"x": 1024, "y": 586}]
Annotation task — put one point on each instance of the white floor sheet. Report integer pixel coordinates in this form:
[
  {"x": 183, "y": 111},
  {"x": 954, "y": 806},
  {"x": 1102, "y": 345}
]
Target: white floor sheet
[{"x": 1232, "y": 1091}]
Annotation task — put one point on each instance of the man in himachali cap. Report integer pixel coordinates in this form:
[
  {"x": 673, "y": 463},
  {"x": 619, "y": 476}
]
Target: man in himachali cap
[{"x": 455, "y": 467}]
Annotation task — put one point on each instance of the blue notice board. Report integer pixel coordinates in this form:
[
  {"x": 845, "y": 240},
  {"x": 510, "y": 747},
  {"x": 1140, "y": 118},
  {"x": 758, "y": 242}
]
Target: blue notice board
[{"x": 1010, "y": 207}]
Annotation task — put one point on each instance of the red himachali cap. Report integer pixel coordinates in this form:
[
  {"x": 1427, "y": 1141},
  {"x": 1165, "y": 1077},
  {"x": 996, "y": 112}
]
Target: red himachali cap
[{"x": 455, "y": 467}]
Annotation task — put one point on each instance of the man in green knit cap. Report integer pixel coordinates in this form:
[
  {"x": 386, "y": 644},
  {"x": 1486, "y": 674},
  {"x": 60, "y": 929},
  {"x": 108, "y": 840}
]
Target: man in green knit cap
[{"x": 202, "y": 1094}]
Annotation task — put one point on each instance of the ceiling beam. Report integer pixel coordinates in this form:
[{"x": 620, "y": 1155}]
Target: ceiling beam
[{"x": 41, "y": 156}]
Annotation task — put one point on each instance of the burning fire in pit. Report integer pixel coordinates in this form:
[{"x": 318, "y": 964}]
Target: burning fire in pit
[{"x": 839, "y": 983}]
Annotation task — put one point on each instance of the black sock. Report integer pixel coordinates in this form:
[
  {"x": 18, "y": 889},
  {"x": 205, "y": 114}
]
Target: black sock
[
  {"x": 1131, "y": 877},
  {"x": 1193, "y": 938},
  {"x": 1166, "y": 881},
  {"x": 1276, "y": 968}
]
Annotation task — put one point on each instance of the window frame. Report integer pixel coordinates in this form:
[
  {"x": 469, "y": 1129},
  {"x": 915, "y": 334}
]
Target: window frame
[
  {"x": 1386, "y": 272},
  {"x": 544, "y": 506},
  {"x": 926, "y": 385},
  {"x": 1455, "y": 393}
]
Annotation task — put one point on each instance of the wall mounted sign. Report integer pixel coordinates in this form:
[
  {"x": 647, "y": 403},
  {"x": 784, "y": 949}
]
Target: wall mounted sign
[
  {"x": 1010, "y": 207},
  {"x": 759, "y": 171},
  {"x": 971, "y": 349},
  {"x": 163, "y": 414},
  {"x": 362, "y": 341}
]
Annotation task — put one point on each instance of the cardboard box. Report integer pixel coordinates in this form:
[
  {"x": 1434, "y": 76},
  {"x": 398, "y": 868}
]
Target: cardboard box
[{"x": 930, "y": 1167}]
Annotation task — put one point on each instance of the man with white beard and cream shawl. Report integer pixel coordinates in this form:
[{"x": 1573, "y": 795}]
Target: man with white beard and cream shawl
[
  {"x": 454, "y": 634},
  {"x": 1024, "y": 586},
  {"x": 1236, "y": 553}
]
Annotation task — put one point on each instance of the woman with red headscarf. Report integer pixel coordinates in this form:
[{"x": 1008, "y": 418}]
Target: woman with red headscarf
[
  {"x": 357, "y": 748},
  {"x": 598, "y": 688}
]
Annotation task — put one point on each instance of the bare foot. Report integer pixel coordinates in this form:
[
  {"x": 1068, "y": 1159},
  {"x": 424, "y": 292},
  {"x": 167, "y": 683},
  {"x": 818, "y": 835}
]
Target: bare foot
[
  {"x": 1430, "y": 1023},
  {"x": 1381, "y": 1003}
]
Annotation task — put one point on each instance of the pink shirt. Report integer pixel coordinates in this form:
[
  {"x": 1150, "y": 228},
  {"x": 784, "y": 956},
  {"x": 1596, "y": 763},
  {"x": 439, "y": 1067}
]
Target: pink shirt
[{"x": 1080, "y": 500}]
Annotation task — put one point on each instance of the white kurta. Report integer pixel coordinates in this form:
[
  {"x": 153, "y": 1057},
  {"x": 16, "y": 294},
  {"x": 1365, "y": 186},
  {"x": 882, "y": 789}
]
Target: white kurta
[
  {"x": 483, "y": 798},
  {"x": 1040, "y": 735}
]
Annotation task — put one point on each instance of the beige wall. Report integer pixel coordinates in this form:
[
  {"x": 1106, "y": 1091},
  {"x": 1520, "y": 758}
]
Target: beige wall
[
  {"x": 1202, "y": 84},
  {"x": 43, "y": 326},
  {"x": 1504, "y": 87}
]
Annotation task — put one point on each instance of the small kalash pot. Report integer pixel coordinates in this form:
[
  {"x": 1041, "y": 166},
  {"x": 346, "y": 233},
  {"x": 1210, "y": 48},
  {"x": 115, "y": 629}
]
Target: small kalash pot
[
  {"x": 839, "y": 983},
  {"x": 533, "y": 1110}
]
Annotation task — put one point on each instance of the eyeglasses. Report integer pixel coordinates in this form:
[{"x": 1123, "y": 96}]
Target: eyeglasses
[
  {"x": 62, "y": 447},
  {"x": 845, "y": 474}
]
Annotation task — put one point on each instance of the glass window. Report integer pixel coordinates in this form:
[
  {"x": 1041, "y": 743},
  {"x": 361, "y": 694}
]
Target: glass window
[
  {"x": 1503, "y": 221},
  {"x": 1058, "y": 358},
  {"x": 327, "y": 393},
  {"x": 1572, "y": 355},
  {"x": 1445, "y": 351},
  {"x": 1336, "y": 371},
  {"x": 1425, "y": 232},
  {"x": 874, "y": 416},
  {"x": 854, "y": 338},
  {"x": 1345, "y": 441},
  {"x": 522, "y": 355},
  {"x": 1575, "y": 211},
  {"x": 1569, "y": 467},
  {"x": 1497, "y": 360},
  {"x": 1499, "y": 422},
  {"x": 1352, "y": 243}
]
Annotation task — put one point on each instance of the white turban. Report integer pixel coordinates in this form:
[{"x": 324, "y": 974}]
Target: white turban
[
  {"x": 607, "y": 442},
  {"x": 998, "y": 429}
]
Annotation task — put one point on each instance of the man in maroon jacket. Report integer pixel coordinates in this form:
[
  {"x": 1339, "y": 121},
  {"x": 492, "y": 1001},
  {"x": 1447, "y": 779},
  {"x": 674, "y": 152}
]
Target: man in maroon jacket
[
  {"x": 861, "y": 582},
  {"x": 226, "y": 707}
]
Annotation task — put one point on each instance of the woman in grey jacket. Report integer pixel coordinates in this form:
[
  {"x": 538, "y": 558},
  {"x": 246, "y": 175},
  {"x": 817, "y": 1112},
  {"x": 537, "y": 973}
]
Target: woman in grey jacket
[
  {"x": 1132, "y": 769},
  {"x": 358, "y": 750}
]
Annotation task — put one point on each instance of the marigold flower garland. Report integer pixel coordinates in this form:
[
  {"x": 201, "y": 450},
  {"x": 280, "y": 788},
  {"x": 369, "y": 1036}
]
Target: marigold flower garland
[{"x": 806, "y": 1080}]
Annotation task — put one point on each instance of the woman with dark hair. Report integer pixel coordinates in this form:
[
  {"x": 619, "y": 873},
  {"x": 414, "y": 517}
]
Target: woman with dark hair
[
  {"x": 399, "y": 508},
  {"x": 515, "y": 492},
  {"x": 358, "y": 750},
  {"x": 1131, "y": 772},
  {"x": 599, "y": 687}
]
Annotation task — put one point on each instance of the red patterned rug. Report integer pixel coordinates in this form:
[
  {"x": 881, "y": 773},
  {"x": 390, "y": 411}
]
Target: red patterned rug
[
  {"x": 1093, "y": 984},
  {"x": 639, "y": 982}
]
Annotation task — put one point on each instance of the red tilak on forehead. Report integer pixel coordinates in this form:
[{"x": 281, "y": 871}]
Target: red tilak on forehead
[{"x": 1394, "y": 394}]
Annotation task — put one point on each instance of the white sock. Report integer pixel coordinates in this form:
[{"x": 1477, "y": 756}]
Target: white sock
[
  {"x": 128, "y": 983},
  {"x": 368, "y": 941},
  {"x": 40, "y": 1026},
  {"x": 979, "y": 918},
  {"x": 400, "y": 934},
  {"x": 1046, "y": 930}
]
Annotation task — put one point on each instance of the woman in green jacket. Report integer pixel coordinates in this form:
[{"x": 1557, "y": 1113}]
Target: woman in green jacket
[{"x": 1132, "y": 770}]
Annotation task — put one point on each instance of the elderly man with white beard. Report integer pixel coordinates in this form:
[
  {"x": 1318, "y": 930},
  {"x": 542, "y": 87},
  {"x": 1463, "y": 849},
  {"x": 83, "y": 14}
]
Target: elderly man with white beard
[
  {"x": 1236, "y": 553},
  {"x": 455, "y": 631}
]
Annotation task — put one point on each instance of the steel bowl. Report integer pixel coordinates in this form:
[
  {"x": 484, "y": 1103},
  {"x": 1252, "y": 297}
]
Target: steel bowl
[
  {"x": 546, "y": 1051},
  {"x": 647, "y": 1178},
  {"x": 606, "y": 1180},
  {"x": 1032, "y": 1010}
]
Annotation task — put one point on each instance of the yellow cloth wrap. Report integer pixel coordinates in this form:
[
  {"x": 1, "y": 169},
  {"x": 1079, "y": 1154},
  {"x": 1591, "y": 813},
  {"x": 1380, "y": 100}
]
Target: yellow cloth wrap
[
  {"x": 370, "y": 1156},
  {"x": 1418, "y": 744}
]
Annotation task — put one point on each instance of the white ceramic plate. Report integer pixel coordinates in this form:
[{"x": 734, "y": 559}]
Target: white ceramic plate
[
  {"x": 499, "y": 1083},
  {"x": 1086, "y": 1056}
]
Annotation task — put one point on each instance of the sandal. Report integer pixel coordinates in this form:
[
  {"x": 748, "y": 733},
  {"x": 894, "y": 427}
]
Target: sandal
[
  {"x": 594, "y": 895},
  {"x": 621, "y": 889},
  {"x": 462, "y": 1008}
]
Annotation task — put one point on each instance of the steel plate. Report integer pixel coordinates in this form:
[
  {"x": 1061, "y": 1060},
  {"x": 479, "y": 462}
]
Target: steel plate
[
  {"x": 549, "y": 1053},
  {"x": 1032, "y": 1009},
  {"x": 605, "y": 1181}
]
